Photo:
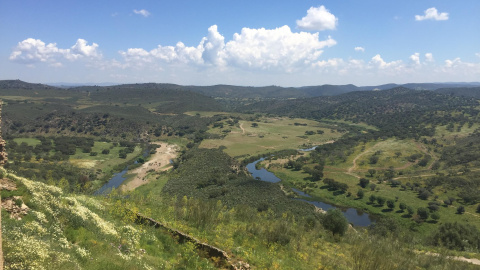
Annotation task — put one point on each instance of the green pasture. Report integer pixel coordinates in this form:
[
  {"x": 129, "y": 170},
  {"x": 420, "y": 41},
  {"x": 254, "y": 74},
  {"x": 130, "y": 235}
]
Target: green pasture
[
  {"x": 442, "y": 132},
  {"x": 387, "y": 156},
  {"x": 104, "y": 162},
  {"x": 271, "y": 134},
  {"x": 318, "y": 191},
  {"x": 28, "y": 141}
]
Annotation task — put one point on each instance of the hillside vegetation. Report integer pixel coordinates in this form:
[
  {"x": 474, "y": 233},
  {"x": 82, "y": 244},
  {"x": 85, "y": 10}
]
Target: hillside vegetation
[{"x": 409, "y": 158}]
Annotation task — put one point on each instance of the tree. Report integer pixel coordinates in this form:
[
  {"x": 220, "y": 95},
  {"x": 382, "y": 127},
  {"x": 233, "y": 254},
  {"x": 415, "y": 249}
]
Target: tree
[
  {"x": 478, "y": 208},
  {"x": 381, "y": 200},
  {"x": 373, "y": 159},
  {"x": 372, "y": 199},
  {"x": 372, "y": 172},
  {"x": 410, "y": 210},
  {"x": 254, "y": 125},
  {"x": 424, "y": 194},
  {"x": 422, "y": 212},
  {"x": 372, "y": 187},
  {"x": 460, "y": 210},
  {"x": 360, "y": 194},
  {"x": 363, "y": 182},
  {"x": 391, "y": 204},
  {"x": 402, "y": 206},
  {"x": 435, "y": 216},
  {"x": 335, "y": 221}
]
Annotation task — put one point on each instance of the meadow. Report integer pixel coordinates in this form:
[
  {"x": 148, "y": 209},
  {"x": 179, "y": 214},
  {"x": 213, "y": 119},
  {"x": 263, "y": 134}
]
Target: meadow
[{"x": 267, "y": 134}]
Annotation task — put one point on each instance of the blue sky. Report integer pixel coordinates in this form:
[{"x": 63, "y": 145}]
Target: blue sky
[{"x": 287, "y": 43}]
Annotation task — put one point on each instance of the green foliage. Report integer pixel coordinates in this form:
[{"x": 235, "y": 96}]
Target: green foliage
[
  {"x": 360, "y": 194},
  {"x": 457, "y": 236},
  {"x": 210, "y": 174},
  {"x": 423, "y": 213},
  {"x": 335, "y": 222},
  {"x": 364, "y": 182}
]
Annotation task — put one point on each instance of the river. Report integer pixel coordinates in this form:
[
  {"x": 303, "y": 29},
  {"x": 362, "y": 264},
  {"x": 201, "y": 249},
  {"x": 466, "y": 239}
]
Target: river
[{"x": 354, "y": 216}]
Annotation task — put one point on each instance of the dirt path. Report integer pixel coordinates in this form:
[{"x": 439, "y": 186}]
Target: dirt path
[
  {"x": 241, "y": 127},
  {"x": 160, "y": 161},
  {"x": 350, "y": 170},
  {"x": 456, "y": 258}
]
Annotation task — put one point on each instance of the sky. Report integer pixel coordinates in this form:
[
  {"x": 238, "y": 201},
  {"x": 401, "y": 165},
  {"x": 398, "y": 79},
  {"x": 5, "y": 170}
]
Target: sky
[{"x": 247, "y": 43}]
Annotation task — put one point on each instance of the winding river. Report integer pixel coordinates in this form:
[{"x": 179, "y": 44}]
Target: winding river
[{"x": 354, "y": 216}]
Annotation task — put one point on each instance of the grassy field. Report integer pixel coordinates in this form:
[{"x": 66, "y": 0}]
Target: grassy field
[
  {"x": 28, "y": 141},
  {"x": 104, "y": 162},
  {"x": 270, "y": 134}
]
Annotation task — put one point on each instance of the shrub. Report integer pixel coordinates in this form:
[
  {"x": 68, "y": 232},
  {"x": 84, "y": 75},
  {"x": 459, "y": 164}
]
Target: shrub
[
  {"x": 335, "y": 222},
  {"x": 457, "y": 236},
  {"x": 364, "y": 182},
  {"x": 381, "y": 201},
  {"x": 460, "y": 210},
  {"x": 391, "y": 204},
  {"x": 360, "y": 194},
  {"x": 422, "y": 212}
]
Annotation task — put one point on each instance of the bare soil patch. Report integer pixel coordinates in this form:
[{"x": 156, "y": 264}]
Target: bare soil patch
[{"x": 160, "y": 161}]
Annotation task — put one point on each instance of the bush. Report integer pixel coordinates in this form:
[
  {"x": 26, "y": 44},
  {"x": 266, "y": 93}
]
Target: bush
[
  {"x": 460, "y": 210},
  {"x": 402, "y": 206},
  {"x": 335, "y": 222},
  {"x": 457, "y": 236},
  {"x": 391, "y": 204},
  {"x": 422, "y": 212},
  {"x": 381, "y": 201},
  {"x": 364, "y": 182}
]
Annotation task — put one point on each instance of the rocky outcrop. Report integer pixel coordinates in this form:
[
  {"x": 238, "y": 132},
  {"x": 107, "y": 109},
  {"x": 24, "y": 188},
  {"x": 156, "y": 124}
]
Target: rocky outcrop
[
  {"x": 3, "y": 153},
  {"x": 11, "y": 206}
]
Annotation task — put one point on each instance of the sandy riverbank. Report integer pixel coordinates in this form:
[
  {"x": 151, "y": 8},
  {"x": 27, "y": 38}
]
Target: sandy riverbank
[{"x": 160, "y": 161}]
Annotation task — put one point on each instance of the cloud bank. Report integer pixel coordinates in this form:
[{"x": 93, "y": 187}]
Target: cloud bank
[{"x": 262, "y": 49}]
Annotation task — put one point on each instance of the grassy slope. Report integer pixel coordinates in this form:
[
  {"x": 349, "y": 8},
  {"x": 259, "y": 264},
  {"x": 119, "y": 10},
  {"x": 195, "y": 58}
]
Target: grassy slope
[{"x": 67, "y": 231}]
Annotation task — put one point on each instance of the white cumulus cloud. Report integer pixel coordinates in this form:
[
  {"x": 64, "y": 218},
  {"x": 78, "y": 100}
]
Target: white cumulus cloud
[
  {"x": 432, "y": 14},
  {"x": 415, "y": 58},
  {"x": 359, "y": 49},
  {"x": 429, "y": 57},
  {"x": 378, "y": 61},
  {"x": 318, "y": 19},
  {"x": 142, "y": 12},
  {"x": 31, "y": 51},
  {"x": 275, "y": 48},
  {"x": 263, "y": 49}
]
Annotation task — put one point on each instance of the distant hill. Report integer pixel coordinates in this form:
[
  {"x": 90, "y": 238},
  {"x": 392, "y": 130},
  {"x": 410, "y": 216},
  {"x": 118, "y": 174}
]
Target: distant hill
[
  {"x": 463, "y": 91},
  {"x": 242, "y": 92},
  {"x": 18, "y": 84}
]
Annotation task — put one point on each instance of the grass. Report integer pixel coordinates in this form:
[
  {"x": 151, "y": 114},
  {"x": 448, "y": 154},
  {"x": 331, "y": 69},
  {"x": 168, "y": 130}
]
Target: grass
[
  {"x": 28, "y": 141},
  {"x": 271, "y": 134},
  {"x": 387, "y": 156},
  {"x": 442, "y": 132},
  {"x": 104, "y": 162},
  {"x": 319, "y": 191}
]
